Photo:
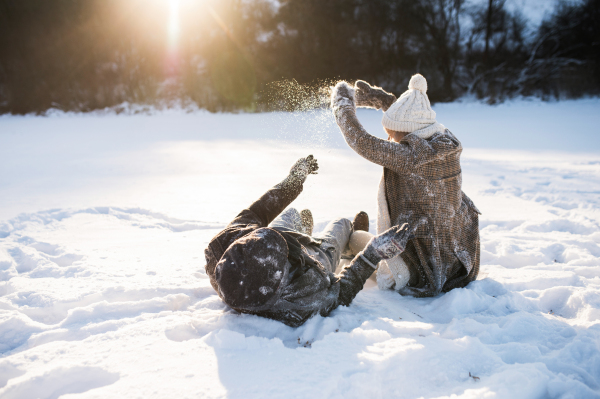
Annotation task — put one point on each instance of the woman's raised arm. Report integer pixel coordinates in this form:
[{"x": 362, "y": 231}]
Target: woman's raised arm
[{"x": 395, "y": 156}]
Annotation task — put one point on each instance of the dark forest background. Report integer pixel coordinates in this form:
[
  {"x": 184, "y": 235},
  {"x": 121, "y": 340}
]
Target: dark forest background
[{"x": 89, "y": 54}]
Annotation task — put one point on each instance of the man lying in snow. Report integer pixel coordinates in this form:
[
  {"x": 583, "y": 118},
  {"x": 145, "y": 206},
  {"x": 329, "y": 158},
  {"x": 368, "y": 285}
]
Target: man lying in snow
[
  {"x": 421, "y": 178},
  {"x": 270, "y": 268}
]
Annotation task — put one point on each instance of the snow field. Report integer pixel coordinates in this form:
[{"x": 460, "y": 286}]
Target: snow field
[{"x": 104, "y": 219}]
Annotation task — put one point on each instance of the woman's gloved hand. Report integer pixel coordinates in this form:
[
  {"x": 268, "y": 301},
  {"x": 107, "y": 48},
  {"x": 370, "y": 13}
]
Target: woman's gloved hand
[
  {"x": 342, "y": 95},
  {"x": 371, "y": 96}
]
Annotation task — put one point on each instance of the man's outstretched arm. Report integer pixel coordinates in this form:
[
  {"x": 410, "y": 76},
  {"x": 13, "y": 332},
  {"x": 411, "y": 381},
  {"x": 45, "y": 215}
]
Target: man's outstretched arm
[
  {"x": 275, "y": 200},
  {"x": 386, "y": 245},
  {"x": 260, "y": 213},
  {"x": 318, "y": 292}
]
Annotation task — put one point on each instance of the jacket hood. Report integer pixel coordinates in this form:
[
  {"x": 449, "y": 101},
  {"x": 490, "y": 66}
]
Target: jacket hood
[{"x": 251, "y": 270}]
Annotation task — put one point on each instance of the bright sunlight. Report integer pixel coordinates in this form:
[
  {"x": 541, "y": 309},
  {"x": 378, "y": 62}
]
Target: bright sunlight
[{"x": 173, "y": 29}]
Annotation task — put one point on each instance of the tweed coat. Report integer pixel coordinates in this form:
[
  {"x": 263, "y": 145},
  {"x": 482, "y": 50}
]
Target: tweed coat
[{"x": 422, "y": 179}]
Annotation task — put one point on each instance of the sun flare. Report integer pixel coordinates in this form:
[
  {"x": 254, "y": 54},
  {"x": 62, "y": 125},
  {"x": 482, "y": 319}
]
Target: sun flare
[{"x": 173, "y": 28}]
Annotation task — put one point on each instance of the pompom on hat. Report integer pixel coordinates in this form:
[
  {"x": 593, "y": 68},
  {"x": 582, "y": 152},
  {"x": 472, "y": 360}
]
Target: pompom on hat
[
  {"x": 418, "y": 82},
  {"x": 412, "y": 111}
]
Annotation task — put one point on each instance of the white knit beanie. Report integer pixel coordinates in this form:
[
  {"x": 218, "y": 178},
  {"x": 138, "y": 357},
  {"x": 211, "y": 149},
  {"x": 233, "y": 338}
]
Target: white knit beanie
[{"x": 412, "y": 111}]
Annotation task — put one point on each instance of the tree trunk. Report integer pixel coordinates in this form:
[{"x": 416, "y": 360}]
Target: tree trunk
[{"x": 488, "y": 32}]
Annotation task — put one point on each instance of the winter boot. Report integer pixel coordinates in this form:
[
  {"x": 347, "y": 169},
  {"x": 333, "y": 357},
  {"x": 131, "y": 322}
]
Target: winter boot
[
  {"x": 307, "y": 221},
  {"x": 360, "y": 222}
]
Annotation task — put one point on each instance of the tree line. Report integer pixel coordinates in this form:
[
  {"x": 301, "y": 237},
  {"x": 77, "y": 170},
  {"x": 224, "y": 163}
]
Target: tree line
[{"x": 228, "y": 55}]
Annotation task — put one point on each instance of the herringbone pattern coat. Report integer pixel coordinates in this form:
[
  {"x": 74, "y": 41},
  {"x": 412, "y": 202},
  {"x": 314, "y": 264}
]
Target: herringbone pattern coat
[{"x": 422, "y": 178}]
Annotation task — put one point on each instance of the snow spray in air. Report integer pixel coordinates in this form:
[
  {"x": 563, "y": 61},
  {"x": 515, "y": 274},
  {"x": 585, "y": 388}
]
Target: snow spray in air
[{"x": 301, "y": 112}]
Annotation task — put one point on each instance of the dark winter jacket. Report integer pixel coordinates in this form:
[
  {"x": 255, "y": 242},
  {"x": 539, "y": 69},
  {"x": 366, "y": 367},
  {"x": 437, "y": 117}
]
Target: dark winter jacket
[
  {"x": 303, "y": 292},
  {"x": 422, "y": 178}
]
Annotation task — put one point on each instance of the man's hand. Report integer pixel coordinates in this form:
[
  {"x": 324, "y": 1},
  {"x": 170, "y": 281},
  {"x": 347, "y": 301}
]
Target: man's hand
[
  {"x": 304, "y": 167},
  {"x": 392, "y": 242}
]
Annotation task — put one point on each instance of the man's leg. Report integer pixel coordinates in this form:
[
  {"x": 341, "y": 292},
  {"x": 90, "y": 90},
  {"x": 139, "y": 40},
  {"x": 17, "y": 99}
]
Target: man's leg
[
  {"x": 335, "y": 236},
  {"x": 335, "y": 241},
  {"x": 288, "y": 220}
]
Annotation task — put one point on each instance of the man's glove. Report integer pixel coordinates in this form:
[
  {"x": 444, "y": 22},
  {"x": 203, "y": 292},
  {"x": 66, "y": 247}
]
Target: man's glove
[
  {"x": 304, "y": 167},
  {"x": 390, "y": 243},
  {"x": 372, "y": 96}
]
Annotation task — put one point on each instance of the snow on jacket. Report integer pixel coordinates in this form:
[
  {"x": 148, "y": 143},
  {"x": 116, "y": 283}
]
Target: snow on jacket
[
  {"x": 422, "y": 179},
  {"x": 300, "y": 295}
]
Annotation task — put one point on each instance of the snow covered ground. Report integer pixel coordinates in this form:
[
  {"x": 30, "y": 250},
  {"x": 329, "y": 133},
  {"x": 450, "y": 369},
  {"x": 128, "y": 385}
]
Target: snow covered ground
[{"x": 104, "y": 219}]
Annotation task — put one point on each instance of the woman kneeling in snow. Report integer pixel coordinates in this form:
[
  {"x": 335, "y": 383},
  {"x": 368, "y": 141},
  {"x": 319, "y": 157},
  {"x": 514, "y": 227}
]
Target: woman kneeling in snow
[{"x": 421, "y": 178}]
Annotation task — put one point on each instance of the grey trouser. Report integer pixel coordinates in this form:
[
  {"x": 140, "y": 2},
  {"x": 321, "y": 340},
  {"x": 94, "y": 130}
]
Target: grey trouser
[{"x": 334, "y": 238}]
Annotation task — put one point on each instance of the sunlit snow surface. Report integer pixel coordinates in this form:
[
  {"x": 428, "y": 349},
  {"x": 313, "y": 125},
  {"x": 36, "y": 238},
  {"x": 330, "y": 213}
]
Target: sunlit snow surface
[{"x": 104, "y": 219}]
